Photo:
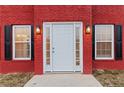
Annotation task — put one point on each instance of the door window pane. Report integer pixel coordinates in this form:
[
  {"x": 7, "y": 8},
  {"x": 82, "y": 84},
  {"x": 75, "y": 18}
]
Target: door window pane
[
  {"x": 48, "y": 45},
  {"x": 77, "y": 44}
]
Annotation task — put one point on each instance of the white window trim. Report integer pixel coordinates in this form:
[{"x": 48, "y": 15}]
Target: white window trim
[
  {"x": 13, "y": 40},
  {"x": 112, "y": 47}
]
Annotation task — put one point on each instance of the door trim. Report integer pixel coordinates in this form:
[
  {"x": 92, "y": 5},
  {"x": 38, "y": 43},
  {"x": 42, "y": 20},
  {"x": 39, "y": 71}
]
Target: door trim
[{"x": 44, "y": 42}]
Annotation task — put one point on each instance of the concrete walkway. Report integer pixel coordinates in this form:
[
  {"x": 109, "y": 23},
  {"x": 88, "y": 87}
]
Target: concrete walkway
[{"x": 63, "y": 80}]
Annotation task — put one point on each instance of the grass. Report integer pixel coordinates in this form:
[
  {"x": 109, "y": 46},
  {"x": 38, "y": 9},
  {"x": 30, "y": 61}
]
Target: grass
[
  {"x": 14, "y": 79},
  {"x": 110, "y": 78}
]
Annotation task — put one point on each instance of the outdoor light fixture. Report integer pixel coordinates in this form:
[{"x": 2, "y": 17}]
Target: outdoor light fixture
[
  {"x": 38, "y": 30},
  {"x": 87, "y": 29}
]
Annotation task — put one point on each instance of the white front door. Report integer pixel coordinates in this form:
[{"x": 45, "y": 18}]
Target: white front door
[
  {"x": 62, "y": 46},
  {"x": 63, "y": 50}
]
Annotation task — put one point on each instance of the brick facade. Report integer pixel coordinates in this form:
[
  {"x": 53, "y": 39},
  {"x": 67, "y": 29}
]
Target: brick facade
[
  {"x": 14, "y": 15},
  {"x": 36, "y": 15},
  {"x": 109, "y": 15}
]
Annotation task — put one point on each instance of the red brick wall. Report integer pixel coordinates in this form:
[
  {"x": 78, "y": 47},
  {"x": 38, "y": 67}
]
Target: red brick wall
[
  {"x": 38, "y": 14},
  {"x": 109, "y": 15},
  {"x": 14, "y": 15},
  {"x": 63, "y": 13}
]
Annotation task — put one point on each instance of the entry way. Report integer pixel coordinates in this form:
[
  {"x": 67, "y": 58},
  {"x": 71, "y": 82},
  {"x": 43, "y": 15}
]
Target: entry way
[{"x": 62, "y": 46}]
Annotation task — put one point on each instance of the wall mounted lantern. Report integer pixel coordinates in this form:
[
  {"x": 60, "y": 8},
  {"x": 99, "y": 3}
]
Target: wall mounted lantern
[
  {"x": 38, "y": 30},
  {"x": 88, "y": 30}
]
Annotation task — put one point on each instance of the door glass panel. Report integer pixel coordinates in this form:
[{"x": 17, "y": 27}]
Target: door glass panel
[
  {"x": 77, "y": 45},
  {"x": 48, "y": 45}
]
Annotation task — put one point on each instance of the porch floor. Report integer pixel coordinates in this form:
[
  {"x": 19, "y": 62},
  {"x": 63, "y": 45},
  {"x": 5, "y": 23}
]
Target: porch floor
[{"x": 63, "y": 80}]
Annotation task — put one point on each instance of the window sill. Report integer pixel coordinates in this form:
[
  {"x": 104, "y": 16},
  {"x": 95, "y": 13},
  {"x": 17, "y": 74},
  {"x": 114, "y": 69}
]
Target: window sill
[
  {"x": 21, "y": 59},
  {"x": 104, "y": 59}
]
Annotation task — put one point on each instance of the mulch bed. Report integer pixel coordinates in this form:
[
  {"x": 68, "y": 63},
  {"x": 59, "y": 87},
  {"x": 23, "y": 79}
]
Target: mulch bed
[
  {"x": 110, "y": 78},
  {"x": 14, "y": 79}
]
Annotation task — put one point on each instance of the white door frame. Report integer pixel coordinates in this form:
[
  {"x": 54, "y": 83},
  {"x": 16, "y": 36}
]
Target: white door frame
[{"x": 44, "y": 43}]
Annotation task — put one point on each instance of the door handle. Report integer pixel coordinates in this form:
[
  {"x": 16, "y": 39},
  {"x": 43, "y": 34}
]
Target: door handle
[{"x": 53, "y": 50}]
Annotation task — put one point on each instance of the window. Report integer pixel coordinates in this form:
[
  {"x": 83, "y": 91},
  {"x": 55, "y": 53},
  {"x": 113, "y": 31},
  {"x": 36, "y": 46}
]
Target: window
[
  {"x": 104, "y": 41},
  {"x": 21, "y": 42},
  {"x": 48, "y": 45},
  {"x": 77, "y": 43}
]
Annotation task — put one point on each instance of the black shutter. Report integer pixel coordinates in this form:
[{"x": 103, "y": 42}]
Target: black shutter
[
  {"x": 32, "y": 42},
  {"x": 118, "y": 42},
  {"x": 8, "y": 42},
  {"x": 93, "y": 42}
]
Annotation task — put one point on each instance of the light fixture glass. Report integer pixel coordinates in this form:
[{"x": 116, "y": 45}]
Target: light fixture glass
[
  {"x": 88, "y": 29},
  {"x": 38, "y": 31}
]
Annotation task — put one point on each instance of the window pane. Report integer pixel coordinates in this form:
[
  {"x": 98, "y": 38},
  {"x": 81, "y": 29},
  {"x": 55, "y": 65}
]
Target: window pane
[
  {"x": 104, "y": 49},
  {"x": 77, "y": 34},
  {"x": 77, "y": 37},
  {"x": 77, "y": 62},
  {"x": 22, "y": 33},
  {"x": 48, "y": 45},
  {"x": 22, "y": 50},
  {"x": 103, "y": 32},
  {"x": 77, "y": 46}
]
